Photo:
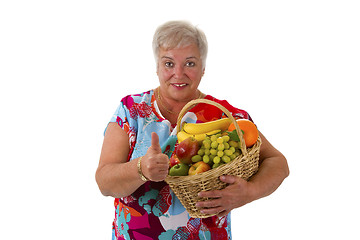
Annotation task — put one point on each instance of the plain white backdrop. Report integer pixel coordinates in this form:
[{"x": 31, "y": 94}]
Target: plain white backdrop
[{"x": 65, "y": 65}]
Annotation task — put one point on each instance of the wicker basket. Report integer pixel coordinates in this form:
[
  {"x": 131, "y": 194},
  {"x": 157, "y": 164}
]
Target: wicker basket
[{"x": 186, "y": 188}]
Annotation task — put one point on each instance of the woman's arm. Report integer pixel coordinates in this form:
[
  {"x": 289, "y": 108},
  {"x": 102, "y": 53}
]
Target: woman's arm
[
  {"x": 116, "y": 176},
  {"x": 272, "y": 171}
]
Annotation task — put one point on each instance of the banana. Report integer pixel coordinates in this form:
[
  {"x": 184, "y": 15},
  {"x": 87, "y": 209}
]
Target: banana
[
  {"x": 198, "y": 128},
  {"x": 182, "y": 135}
]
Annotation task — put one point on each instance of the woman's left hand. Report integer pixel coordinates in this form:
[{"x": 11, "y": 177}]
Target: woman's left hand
[{"x": 221, "y": 202}]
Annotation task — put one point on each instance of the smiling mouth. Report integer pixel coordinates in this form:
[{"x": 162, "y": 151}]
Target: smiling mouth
[{"x": 179, "y": 84}]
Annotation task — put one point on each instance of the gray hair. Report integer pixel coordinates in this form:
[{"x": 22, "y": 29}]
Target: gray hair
[{"x": 175, "y": 34}]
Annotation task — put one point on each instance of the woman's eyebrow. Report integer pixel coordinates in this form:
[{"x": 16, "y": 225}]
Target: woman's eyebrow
[{"x": 166, "y": 57}]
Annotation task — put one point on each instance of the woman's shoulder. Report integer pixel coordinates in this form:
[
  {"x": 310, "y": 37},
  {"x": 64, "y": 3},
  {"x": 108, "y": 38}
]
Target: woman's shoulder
[
  {"x": 144, "y": 97},
  {"x": 215, "y": 112}
]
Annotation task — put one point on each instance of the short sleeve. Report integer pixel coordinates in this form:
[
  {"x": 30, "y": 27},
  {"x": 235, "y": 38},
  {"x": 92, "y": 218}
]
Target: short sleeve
[
  {"x": 123, "y": 116},
  {"x": 125, "y": 119}
]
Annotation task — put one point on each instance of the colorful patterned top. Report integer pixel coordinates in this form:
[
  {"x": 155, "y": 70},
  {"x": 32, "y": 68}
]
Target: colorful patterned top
[{"x": 153, "y": 211}]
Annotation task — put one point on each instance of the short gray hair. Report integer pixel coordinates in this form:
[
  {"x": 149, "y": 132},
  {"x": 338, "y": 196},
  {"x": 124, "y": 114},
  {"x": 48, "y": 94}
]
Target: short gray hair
[{"x": 175, "y": 34}]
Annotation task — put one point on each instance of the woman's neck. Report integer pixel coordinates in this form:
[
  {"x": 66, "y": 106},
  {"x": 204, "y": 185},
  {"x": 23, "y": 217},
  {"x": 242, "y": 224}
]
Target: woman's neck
[{"x": 171, "y": 108}]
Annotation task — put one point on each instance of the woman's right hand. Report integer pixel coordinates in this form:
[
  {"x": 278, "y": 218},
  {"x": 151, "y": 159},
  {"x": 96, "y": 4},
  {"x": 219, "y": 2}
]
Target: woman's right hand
[{"x": 155, "y": 164}]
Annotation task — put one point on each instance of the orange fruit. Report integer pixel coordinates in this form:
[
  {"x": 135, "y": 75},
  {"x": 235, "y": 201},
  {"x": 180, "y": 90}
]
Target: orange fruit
[{"x": 251, "y": 133}]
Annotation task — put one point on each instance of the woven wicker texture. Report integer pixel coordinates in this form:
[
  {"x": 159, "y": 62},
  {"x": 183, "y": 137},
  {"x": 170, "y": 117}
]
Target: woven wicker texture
[{"x": 186, "y": 188}]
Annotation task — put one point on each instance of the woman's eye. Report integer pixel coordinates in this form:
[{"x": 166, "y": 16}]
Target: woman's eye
[
  {"x": 169, "y": 64},
  {"x": 190, "y": 64}
]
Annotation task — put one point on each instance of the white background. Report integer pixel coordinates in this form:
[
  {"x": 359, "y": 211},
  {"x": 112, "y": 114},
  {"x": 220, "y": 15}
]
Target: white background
[{"x": 65, "y": 65}]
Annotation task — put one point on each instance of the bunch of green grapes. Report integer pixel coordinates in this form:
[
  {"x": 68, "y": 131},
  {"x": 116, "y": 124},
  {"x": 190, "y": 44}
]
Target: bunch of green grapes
[{"x": 217, "y": 149}]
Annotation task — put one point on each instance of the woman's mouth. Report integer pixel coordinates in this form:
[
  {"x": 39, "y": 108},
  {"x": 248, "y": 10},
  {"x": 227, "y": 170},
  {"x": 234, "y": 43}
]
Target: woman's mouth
[{"x": 179, "y": 84}]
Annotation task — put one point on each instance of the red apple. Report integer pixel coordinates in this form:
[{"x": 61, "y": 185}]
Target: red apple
[
  {"x": 199, "y": 167},
  {"x": 173, "y": 160},
  {"x": 187, "y": 149}
]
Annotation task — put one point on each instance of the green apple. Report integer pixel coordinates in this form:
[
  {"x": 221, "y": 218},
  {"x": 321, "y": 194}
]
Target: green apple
[{"x": 180, "y": 169}]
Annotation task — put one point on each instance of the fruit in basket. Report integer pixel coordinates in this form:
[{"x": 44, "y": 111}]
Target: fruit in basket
[
  {"x": 199, "y": 167},
  {"x": 187, "y": 149},
  {"x": 173, "y": 160},
  {"x": 180, "y": 169},
  {"x": 198, "y": 128},
  {"x": 182, "y": 135},
  {"x": 249, "y": 129},
  {"x": 218, "y": 149},
  {"x": 196, "y": 158}
]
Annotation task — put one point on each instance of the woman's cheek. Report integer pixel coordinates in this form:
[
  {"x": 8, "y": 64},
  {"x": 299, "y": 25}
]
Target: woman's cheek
[
  {"x": 164, "y": 75},
  {"x": 194, "y": 75}
]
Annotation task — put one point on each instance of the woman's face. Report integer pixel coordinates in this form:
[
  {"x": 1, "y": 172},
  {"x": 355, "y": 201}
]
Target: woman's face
[{"x": 180, "y": 71}]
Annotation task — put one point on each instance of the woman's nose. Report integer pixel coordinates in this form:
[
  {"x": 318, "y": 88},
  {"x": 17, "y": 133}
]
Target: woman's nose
[{"x": 178, "y": 71}]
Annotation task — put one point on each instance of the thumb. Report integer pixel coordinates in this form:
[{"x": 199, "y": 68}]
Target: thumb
[{"x": 155, "y": 145}]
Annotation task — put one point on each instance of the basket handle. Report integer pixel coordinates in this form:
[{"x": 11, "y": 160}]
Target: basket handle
[{"x": 192, "y": 103}]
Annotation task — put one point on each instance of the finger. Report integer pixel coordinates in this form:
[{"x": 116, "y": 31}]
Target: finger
[
  {"x": 223, "y": 213},
  {"x": 216, "y": 210},
  {"x": 163, "y": 158},
  {"x": 228, "y": 179},
  {"x": 164, "y": 171},
  {"x": 210, "y": 194},
  {"x": 155, "y": 145},
  {"x": 209, "y": 204},
  {"x": 164, "y": 168}
]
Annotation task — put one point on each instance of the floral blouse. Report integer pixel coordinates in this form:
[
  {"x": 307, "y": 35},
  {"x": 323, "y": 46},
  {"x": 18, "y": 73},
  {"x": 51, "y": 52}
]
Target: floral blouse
[{"x": 153, "y": 211}]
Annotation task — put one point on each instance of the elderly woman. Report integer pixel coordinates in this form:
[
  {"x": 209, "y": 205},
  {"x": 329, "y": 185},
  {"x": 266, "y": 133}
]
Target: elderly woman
[{"x": 132, "y": 166}]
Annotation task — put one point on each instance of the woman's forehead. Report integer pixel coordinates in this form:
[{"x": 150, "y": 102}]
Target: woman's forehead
[{"x": 189, "y": 51}]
